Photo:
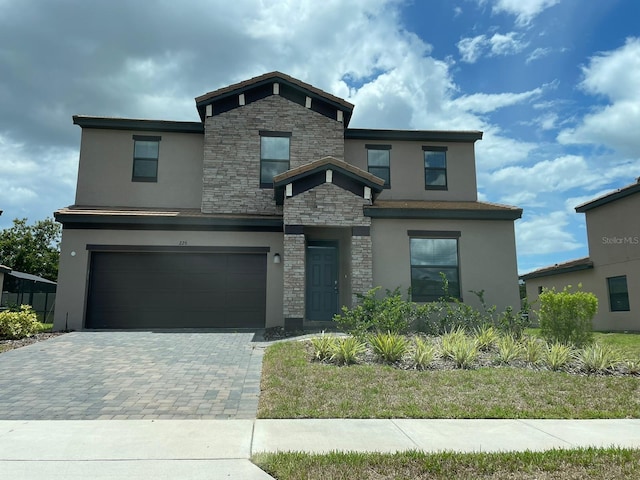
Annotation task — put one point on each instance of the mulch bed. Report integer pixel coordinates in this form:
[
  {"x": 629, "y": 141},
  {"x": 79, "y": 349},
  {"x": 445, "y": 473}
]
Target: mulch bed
[{"x": 8, "y": 344}]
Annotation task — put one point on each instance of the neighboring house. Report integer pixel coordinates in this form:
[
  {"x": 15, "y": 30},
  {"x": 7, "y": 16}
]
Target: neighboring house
[
  {"x": 18, "y": 288},
  {"x": 612, "y": 269},
  {"x": 271, "y": 211},
  {"x": 3, "y": 270}
]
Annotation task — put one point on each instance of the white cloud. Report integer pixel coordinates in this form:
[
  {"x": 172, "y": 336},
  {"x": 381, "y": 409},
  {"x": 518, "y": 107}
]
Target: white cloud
[
  {"x": 541, "y": 234},
  {"x": 616, "y": 76},
  {"x": 484, "y": 102},
  {"x": 524, "y": 10},
  {"x": 537, "y": 54},
  {"x": 472, "y": 48}
]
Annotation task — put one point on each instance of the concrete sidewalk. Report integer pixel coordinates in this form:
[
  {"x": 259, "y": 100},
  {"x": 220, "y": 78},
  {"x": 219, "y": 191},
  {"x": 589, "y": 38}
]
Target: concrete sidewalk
[{"x": 210, "y": 449}]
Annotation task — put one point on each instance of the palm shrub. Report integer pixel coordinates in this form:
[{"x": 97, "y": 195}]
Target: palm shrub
[
  {"x": 18, "y": 324},
  {"x": 566, "y": 316},
  {"x": 557, "y": 355},
  {"x": 346, "y": 350},
  {"x": 597, "y": 358},
  {"x": 508, "y": 349},
  {"x": 323, "y": 346},
  {"x": 388, "y": 347},
  {"x": 424, "y": 352}
]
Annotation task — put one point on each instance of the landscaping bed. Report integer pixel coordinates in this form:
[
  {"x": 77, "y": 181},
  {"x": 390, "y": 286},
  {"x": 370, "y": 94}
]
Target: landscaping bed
[{"x": 10, "y": 344}]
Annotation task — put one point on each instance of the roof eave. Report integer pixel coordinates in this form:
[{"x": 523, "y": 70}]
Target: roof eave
[
  {"x": 137, "y": 124},
  {"x": 442, "y": 213},
  {"x": 612, "y": 197},
  {"x": 470, "y": 136}
]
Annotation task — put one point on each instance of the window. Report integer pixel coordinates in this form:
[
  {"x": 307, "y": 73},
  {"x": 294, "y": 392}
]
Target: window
[
  {"x": 274, "y": 156},
  {"x": 618, "y": 294},
  {"x": 378, "y": 162},
  {"x": 429, "y": 258},
  {"x": 145, "y": 158},
  {"x": 435, "y": 168}
]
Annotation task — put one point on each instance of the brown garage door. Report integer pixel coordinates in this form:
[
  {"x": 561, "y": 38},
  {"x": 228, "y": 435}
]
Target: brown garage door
[{"x": 176, "y": 290}]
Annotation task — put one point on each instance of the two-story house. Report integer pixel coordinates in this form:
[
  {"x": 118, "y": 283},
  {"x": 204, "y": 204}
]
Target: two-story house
[
  {"x": 271, "y": 211},
  {"x": 612, "y": 269}
]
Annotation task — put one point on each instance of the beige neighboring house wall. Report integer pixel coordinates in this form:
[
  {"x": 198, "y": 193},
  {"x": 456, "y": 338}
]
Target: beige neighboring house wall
[{"x": 613, "y": 233}]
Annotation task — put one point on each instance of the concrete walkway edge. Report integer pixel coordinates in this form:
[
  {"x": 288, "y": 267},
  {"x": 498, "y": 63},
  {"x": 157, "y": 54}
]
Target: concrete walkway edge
[{"x": 203, "y": 449}]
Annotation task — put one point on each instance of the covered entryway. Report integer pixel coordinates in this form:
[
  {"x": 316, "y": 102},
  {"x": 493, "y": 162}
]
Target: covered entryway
[{"x": 176, "y": 290}]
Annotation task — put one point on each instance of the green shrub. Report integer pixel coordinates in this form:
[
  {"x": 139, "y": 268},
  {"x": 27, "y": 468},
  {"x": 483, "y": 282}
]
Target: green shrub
[
  {"x": 486, "y": 336},
  {"x": 424, "y": 352},
  {"x": 566, "y": 316},
  {"x": 557, "y": 355},
  {"x": 597, "y": 358},
  {"x": 323, "y": 346},
  {"x": 509, "y": 349},
  {"x": 346, "y": 350},
  {"x": 18, "y": 324},
  {"x": 460, "y": 348},
  {"x": 388, "y": 347},
  {"x": 514, "y": 323},
  {"x": 372, "y": 314},
  {"x": 533, "y": 350}
]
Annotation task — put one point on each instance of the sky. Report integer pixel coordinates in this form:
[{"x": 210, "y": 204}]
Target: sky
[{"x": 553, "y": 84}]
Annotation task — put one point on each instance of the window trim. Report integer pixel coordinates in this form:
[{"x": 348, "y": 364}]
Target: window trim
[
  {"x": 373, "y": 146},
  {"x": 435, "y": 235},
  {"x": 626, "y": 293},
  {"x": 426, "y": 148},
  {"x": 272, "y": 134},
  {"x": 145, "y": 138}
]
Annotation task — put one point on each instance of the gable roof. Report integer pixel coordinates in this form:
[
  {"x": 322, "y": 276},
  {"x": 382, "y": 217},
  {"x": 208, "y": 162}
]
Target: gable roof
[
  {"x": 610, "y": 197},
  {"x": 257, "y": 88},
  {"x": 576, "y": 265},
  {"x": 310, "y": 175}
]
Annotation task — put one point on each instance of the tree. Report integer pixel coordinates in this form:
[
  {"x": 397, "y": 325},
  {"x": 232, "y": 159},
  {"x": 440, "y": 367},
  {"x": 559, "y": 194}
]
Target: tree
[{"x": 33, "y": 249}]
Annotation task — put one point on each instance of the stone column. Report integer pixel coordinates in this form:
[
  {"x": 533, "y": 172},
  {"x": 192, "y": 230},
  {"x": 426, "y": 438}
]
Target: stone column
[
  {"x": 361, "y": 266},
  {"x": 294, "y": 281}
]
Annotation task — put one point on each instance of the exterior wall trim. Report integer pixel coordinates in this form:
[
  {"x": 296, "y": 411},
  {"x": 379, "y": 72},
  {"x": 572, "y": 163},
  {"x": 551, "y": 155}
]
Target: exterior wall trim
[
  {"x": 174, "y": 248},
  {"x": 442, "y": 214}
]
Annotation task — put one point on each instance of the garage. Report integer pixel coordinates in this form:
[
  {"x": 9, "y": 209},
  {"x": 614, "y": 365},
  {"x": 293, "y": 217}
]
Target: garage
[{"x": 165, "y": 289}]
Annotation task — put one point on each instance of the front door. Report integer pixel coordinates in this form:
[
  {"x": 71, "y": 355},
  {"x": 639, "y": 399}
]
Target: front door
[{"x": 322, "y": 280}]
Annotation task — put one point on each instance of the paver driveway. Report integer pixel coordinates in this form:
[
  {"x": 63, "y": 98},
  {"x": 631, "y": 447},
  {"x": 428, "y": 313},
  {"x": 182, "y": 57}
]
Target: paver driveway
[{"x": 132, "y": 375}]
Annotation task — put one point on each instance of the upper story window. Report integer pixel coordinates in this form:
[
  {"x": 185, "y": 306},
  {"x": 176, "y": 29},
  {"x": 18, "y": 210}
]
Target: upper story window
[
  {"x": 618, "y": 293},
  {"x": 430, "y": 258},
  {"x": 274, "y": 156},
  {"x": 435, "y": 168},
  {"x": 145, "y": 158},
  {"x": 379, "y": 162}
]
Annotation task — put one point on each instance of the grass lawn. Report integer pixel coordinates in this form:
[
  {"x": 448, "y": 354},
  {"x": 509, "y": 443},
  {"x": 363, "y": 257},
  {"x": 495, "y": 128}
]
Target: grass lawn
[
  {"x": 294, "y": 387},
  {"x": 553, "y": 464}
]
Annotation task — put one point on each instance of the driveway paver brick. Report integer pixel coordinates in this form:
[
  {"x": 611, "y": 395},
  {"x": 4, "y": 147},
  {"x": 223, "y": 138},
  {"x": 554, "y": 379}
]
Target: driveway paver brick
[{"x": 133, "y": 375}]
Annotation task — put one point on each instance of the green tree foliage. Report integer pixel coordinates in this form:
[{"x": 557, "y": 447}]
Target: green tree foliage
[
  {"x": 33, "y": 249},
  {"x": 566, "y": 316}
]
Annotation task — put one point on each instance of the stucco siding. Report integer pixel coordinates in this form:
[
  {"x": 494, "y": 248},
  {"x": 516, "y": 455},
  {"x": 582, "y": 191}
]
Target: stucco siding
[
  {"x": 486, "y": 250},
  {"x": 74, "y": 269},
  {"x": 407, "y": 170},
  {"x": 106, "y": 168}
]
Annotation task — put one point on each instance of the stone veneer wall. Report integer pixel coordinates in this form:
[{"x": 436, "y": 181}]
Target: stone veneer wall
[
  {"x": 231, "y": 171},
  {"x": 330, "y": 206},
  {"x": 361, "y": 266},
  {"x": 326, "y": 205}
]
